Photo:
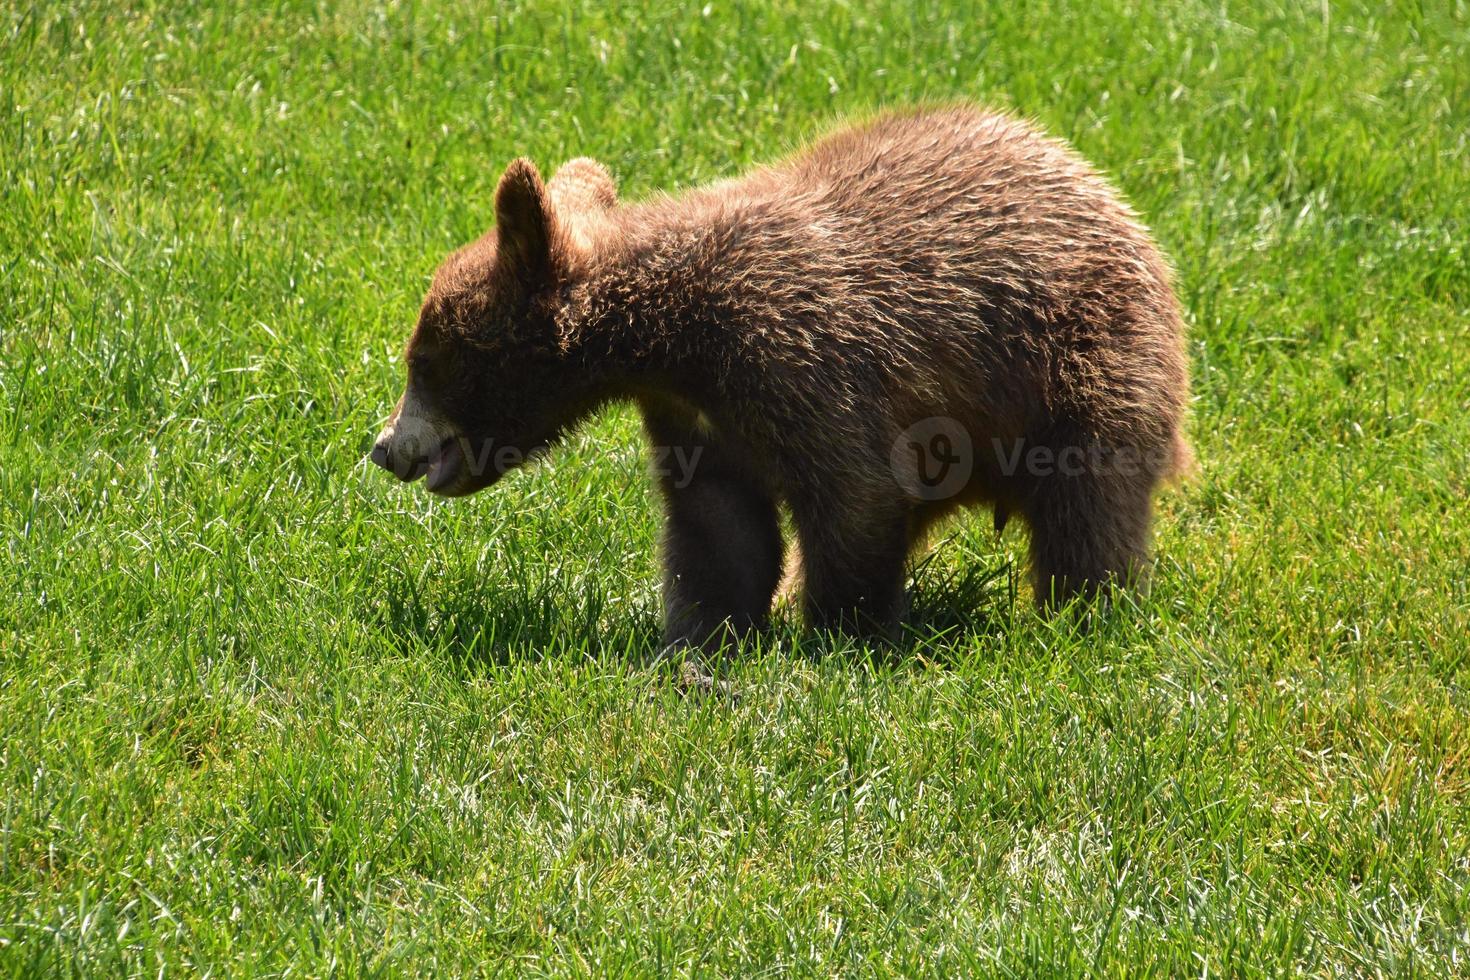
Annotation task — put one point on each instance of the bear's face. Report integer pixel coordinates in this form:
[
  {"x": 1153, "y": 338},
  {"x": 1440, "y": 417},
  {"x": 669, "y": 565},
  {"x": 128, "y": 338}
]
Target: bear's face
[
  {"x": 480, "y": 398},
  {"x": 488, "y": 384}
]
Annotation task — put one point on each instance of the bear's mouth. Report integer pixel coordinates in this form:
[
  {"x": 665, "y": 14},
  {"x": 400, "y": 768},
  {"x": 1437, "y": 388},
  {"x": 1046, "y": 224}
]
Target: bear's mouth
[{"x": 445, "y": 465}]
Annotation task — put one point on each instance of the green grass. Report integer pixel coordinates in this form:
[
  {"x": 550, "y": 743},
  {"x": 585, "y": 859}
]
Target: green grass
[{"x": 266, "y": 711}]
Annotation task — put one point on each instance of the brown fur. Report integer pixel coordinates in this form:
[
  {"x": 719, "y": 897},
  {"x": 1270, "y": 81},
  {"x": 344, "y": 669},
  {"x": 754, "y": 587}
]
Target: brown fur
[{"x": 791, "y": 324}]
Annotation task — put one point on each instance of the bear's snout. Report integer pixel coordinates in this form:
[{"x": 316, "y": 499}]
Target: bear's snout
[
  {"x": 406, "y": 459},
  {"x": 414, "y": 443},
  {"x": 382, "y": 455}
]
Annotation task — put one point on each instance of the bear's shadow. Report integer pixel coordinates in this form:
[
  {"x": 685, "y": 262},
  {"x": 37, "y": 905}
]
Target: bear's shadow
[
  {"x": 948, "y": 607},
  {"x": 495, "y": 624}
]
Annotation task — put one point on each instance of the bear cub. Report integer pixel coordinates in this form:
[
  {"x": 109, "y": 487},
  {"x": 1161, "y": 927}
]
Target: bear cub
[{"x": 929, "y": 310}]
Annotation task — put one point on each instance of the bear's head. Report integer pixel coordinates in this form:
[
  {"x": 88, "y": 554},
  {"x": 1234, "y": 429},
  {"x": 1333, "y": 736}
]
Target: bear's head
[{"x": 490, "y": 381}]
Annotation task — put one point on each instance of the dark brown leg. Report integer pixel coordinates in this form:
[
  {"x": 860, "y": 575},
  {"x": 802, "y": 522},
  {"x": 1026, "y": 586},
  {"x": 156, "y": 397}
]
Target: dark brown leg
[
  {"x": 853, "y": 567},
  {"x": 1088, "y": 533},
  {"x": 722, "y": 539}
]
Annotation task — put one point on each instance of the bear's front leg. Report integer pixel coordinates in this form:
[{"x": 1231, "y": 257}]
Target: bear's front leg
[{"x": 722, "y": 547}]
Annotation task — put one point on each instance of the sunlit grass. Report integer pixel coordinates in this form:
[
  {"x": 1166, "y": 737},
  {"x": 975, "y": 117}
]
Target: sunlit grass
[{"x": 265, "y": 710}]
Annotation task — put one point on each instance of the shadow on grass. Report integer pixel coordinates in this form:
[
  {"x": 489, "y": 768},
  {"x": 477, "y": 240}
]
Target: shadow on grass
[
  {"x": 476, "y": 623},
  {"x": 952, "y": 610},
  {"x": 955, "y": 612},
  {"x": 949, "y": 605}
]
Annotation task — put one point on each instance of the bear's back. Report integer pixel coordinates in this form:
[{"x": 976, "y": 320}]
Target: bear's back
[
  {"x": 986, "y": 261},
  {"x": 963, "y": 186},
  {"x": 945, "y": 261}
]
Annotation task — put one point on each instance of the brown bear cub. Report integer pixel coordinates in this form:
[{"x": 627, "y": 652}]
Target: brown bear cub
[{"x": 931, "y": 309}]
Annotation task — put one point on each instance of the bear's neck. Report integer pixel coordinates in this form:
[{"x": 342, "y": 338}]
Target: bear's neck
[{"x": 673, "y": 296}]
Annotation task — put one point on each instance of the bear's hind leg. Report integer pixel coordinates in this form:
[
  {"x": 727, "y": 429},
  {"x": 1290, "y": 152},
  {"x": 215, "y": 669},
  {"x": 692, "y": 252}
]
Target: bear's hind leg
[
  {"x": 853, "y": 569},
  {"x": 1088, "y": 532}
]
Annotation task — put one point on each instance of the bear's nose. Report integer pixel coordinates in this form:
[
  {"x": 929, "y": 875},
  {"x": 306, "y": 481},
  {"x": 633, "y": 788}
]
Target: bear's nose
[{"x": 382, "y": 456}]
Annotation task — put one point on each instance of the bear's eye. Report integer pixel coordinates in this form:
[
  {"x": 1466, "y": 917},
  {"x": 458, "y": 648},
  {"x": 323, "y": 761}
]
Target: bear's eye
[{"x": 421, "y": 371}]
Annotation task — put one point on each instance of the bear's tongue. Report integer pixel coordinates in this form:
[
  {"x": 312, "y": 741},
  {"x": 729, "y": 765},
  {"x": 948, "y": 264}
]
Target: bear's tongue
[{"x": 444, "y": 468}]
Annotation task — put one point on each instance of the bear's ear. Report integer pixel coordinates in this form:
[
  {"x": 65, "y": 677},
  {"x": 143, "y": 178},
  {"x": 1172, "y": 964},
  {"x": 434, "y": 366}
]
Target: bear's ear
[
  {"x": 582, "y": 186},
  {"x": 523, "y": 222}
]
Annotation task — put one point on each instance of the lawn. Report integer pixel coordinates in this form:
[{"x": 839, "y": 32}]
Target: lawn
[{"x": 267, "y": 711}]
